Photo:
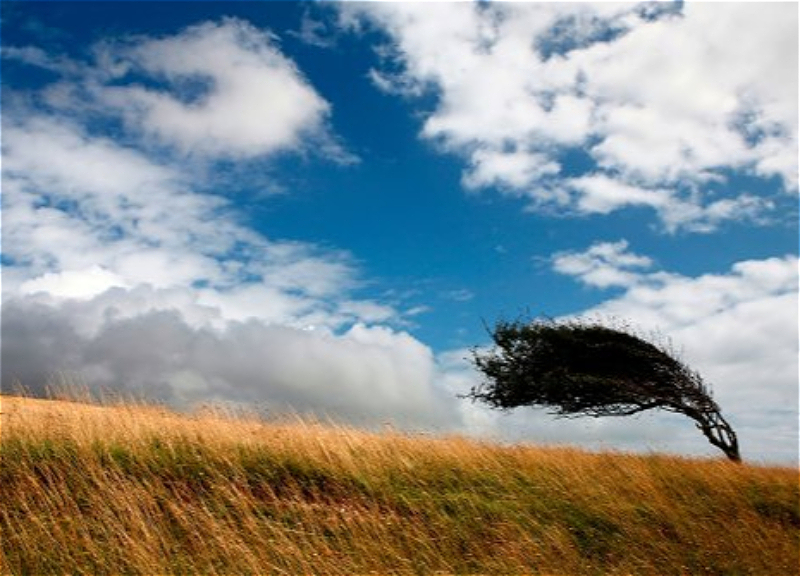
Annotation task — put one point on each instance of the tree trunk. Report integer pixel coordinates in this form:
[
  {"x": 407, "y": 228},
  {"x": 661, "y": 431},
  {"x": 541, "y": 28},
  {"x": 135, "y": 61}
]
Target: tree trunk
[{"x": 719, "y": 433}]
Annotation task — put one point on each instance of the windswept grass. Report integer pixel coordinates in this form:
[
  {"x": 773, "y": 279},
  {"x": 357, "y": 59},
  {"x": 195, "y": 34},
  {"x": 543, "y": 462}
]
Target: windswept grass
[{"x": 132, "y": 489}]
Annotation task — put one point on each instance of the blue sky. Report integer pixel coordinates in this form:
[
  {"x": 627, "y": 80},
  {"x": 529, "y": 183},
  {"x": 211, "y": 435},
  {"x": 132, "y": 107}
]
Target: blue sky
[{"x": 316, "y": 206}]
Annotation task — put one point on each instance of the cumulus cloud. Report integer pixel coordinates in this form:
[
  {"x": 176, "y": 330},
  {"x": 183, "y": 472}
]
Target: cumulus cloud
[
  {"x": 603, "y": 265},
  {"x": 231, "y": 91},
  {"x": 519, "y": 86},
  {"x": 215, "y": 89},
  {"x": 221, "y": 88}
]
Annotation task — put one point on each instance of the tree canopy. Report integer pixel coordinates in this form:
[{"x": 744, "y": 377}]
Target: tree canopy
[{"x": 580, "y": 368}]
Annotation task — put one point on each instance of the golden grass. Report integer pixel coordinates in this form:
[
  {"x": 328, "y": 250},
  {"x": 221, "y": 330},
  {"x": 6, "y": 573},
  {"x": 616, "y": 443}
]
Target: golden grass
[{"x": 137, "y": 489}]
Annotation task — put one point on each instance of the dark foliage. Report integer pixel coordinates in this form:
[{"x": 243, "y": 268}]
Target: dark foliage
[{"x": 587, "y": 369}]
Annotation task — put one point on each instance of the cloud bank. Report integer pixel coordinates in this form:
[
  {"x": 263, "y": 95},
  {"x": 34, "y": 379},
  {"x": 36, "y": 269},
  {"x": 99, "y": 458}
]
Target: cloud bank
[{"x": 366, "y": 375}]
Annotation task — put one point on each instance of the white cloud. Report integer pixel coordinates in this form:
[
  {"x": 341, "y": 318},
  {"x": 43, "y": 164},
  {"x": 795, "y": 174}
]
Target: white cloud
[
  {"x": 58, "y": 153},
  {"x": 601, "y": 194},
  {"x": 229, "y": 91},
  {"x": 603, "y": 265},
  {"x": 724, "y": 62},
  {"x": 216, "y": 89},
  {"x": 78, "y": 284},
  {"x": 517, "y": 85},
  {"x": 134, "y": 222},
  {"x": 73, "y": 201},
  {"x": 672, "y": 301},
  {"x": 35, "y": 56},
  {"x": 515, "y": 169}
]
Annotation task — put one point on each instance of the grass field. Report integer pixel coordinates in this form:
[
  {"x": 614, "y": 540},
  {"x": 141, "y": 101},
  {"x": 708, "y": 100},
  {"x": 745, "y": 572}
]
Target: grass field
[{"x": 136, "y": 489}]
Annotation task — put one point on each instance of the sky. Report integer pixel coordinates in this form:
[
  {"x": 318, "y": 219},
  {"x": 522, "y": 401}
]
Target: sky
[{"x": 320, "y": 207}]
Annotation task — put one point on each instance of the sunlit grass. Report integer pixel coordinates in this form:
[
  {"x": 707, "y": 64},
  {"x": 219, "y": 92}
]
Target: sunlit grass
[{"x": 137, "y": 489}]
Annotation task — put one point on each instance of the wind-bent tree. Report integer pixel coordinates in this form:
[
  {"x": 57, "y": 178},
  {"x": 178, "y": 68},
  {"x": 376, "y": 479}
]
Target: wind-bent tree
[{"x": 580, "y": 368}]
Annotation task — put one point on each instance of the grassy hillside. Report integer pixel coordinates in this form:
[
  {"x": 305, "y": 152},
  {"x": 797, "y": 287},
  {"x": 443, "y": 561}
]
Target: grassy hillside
[{"x": 131, "y": 489}]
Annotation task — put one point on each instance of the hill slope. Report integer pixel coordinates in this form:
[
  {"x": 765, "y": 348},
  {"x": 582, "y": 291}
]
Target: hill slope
[{"x": 137, "y": 489}]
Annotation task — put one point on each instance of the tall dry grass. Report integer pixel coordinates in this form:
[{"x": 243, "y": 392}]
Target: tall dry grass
[{"x": 136, "y": 489}]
